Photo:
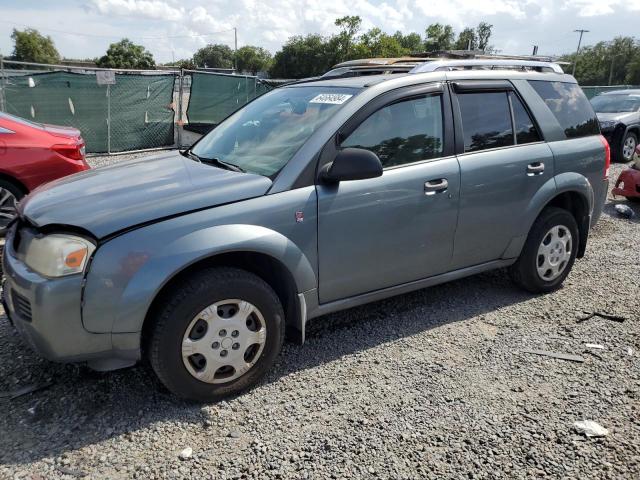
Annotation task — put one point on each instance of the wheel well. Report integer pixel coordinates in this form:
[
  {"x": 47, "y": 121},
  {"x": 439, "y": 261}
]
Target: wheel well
[
  {"x": 576, "y": 204},
  {"x": 267, "y": 268},
  {"x": 15, "y": 181}
]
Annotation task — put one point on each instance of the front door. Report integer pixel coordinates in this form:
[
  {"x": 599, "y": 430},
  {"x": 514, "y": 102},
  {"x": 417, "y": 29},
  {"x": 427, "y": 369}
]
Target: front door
[{"x": 399, "y": 227}]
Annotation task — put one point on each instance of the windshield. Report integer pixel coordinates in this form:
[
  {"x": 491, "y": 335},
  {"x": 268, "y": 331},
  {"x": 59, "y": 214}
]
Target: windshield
[
  {"x": 616, "y": 103},
  {"x": 263, "y": 136}
]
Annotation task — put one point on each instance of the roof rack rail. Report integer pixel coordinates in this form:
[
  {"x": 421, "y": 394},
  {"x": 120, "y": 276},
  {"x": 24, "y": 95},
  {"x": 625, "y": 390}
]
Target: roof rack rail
[{"x": 447, "y": 65}]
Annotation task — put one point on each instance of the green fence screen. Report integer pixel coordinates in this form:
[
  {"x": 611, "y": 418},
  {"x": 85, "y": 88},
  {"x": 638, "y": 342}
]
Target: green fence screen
[
  {"x": 213, "y": 97},
  {"x": 140, "y": 107}
]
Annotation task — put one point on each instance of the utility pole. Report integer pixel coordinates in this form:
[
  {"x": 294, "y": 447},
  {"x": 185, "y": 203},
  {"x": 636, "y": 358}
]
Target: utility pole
[
  {"x": 613, "y": 59},
  {"x": 582, "y": 32},
  {"x": 235, "y": 56}
]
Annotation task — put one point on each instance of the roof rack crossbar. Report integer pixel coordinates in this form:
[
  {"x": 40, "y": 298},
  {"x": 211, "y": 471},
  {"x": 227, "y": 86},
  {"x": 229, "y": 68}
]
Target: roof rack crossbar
[{"x": 440, "y": 65}]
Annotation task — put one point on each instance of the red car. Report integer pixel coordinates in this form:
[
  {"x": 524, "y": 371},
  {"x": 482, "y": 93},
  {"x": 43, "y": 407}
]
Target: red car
[
  {"x": 628, "y": 183},
  {"x": 32, "y": 154}
]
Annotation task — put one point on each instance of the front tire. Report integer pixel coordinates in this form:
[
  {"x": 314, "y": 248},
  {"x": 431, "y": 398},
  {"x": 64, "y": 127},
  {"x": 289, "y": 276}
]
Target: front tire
[
  {"x": 216, "y": 335},
  {"x": 549, "y": 252}
]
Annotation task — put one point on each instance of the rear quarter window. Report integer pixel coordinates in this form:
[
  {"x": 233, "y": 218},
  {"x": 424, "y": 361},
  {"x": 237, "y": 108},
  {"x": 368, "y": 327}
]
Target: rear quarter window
[{"x": 570, "y": 106}]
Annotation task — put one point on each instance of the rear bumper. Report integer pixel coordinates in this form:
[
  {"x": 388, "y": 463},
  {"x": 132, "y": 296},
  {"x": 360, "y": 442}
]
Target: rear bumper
[
  {"x": 628, "y": 183},
  {"x": 52, "y": 170},
  {"x": 47, "y": 315}
]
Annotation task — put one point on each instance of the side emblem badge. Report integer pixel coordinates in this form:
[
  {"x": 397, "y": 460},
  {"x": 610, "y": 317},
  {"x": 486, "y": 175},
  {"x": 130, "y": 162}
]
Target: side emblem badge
[{"x": 299, "y": 216}]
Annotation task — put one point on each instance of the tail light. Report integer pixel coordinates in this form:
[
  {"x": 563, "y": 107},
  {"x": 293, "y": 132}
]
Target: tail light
[
  {"x": 607, "y": 156},
  {"x": 73, "y": 152}
]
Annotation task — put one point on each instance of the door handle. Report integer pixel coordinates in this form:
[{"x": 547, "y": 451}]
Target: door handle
[
  {"x": 435, "y": 186},
  {"x": 535, "y": 168}
]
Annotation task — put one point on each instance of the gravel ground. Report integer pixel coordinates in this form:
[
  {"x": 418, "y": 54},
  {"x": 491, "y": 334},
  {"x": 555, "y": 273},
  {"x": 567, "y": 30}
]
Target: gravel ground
[{"x": 433, "y": 384}]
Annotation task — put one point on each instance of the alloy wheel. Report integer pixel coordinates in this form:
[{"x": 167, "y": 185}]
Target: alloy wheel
[
  {"x": 554, "y": 253},
  {"x": 224, "y": 341},
  {"x": 7, "y": 208},
  {"x": 628, "y": 148}
]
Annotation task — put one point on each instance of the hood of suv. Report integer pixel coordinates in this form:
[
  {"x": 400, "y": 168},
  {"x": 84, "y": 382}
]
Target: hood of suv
[
  {"x": 106, "y": 200},
  {"x": 622, "y": 117}
]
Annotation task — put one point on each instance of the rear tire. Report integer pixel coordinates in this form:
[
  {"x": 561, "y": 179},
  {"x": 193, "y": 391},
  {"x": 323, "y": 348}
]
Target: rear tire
[
  {"x": 216, "y": 335},
  {"x": 549, "y": 252}
]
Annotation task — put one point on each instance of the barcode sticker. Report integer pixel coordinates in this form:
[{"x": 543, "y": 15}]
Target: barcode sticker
[{"x": 332, "y": 98}]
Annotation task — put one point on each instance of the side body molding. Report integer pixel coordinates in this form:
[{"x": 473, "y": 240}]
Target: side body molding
[{"x": 130, "y": 270}]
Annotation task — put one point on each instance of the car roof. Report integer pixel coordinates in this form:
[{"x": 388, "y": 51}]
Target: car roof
[
  {"x": 402, "y": 79},
  {"x": 353, "y": 82},
  {"x": 631, "y": 91},
  {"x": 380, "y": 62}
]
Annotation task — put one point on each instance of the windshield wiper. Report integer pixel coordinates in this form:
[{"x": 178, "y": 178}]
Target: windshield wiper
[{"x": 215, "y": 161}]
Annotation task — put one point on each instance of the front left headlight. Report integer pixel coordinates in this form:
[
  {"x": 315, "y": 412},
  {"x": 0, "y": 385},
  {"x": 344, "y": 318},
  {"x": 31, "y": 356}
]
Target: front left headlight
[
  {"x": 58, "y": 255},
  {"x": 607, "y": 124}
]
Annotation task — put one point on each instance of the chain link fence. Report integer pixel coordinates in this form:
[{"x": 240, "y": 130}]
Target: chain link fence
[
  {"x": 215, "y": 96},
  {"x": 132, "y": 110},
  {"x": 115, "y": 110},
  {"x": 124, "y": 110}
]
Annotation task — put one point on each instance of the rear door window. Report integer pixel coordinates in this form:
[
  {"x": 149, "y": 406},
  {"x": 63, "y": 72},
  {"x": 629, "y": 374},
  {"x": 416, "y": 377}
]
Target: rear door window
[
  {"x": 526, "y": 131},
  {"x": 570, "y": 106},
  {"x": 486, "y": 120}
]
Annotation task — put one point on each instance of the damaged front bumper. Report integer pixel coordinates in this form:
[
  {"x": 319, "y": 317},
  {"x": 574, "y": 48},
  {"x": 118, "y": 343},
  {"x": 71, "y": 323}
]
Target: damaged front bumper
[{"x": 47, "y": 313}]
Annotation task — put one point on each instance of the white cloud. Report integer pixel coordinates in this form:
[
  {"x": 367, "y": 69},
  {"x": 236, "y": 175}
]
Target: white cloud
[
  {"x": 154, "y": 9},
  {"x": 595, "y": 8},
  {"x": 185, "y": 25}
]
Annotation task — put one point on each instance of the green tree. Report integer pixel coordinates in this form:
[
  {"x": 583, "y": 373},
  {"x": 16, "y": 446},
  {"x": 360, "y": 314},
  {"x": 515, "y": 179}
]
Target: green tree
[
  {"x": 186, "y": 63},
  {"x": 376, "y": 43},
  {"x": 438, "y": 37},
  {"x": 633, "y": 71},
  {"x": 466, "y": 40},
  {"x": 253, "y": 59},
  {"x": 483, "y": 34},
  {"x": 303, "y": 56},
  {"x": 30, "y": 46},
  {"x": 126, "y": 54},
  {"x": 214, "y": 56},
  {"x": 411, "y": 42},
  {"x": 618, "y": 60},
  {"x": 343, "y": 44}
]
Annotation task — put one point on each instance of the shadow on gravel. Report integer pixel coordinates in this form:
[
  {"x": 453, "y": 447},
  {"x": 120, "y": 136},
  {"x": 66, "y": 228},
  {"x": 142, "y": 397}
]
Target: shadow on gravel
[{"x": 85, "y": 408}]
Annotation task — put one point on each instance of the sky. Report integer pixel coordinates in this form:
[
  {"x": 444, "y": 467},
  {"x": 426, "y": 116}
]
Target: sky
[{"x": 174, "y": 29}]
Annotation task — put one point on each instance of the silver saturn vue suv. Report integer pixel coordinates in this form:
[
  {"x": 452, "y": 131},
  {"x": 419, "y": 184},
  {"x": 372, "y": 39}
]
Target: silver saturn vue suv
[{"x": 313, "y": 198}]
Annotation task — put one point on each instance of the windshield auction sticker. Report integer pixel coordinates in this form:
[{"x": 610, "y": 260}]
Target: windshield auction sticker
[{"x": 332, "y": 98}]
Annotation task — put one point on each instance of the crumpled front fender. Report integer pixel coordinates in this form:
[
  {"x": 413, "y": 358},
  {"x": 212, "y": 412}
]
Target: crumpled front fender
[{"x": 128, "y": 272}]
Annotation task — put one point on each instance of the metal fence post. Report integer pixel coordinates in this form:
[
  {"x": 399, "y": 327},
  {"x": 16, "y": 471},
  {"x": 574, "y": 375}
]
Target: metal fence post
[
  {"x": 2, "y": 85},
  {"x": 180, "y": 123},
  {"x": 108, "y": 119}
]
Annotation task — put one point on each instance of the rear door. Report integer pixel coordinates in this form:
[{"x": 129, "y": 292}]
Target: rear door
[
  {"x": 399, "y": 227},
  {"x": 503, "y": 163}
]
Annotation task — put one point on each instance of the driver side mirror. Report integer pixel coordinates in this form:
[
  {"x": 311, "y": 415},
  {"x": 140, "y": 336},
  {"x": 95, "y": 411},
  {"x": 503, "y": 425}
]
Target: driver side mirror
[{"x": 352, "y": 164}]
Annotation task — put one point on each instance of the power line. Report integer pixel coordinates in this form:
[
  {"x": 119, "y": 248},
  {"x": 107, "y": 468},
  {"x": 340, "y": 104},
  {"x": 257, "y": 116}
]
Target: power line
[{"x": 63, "y": 32}]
